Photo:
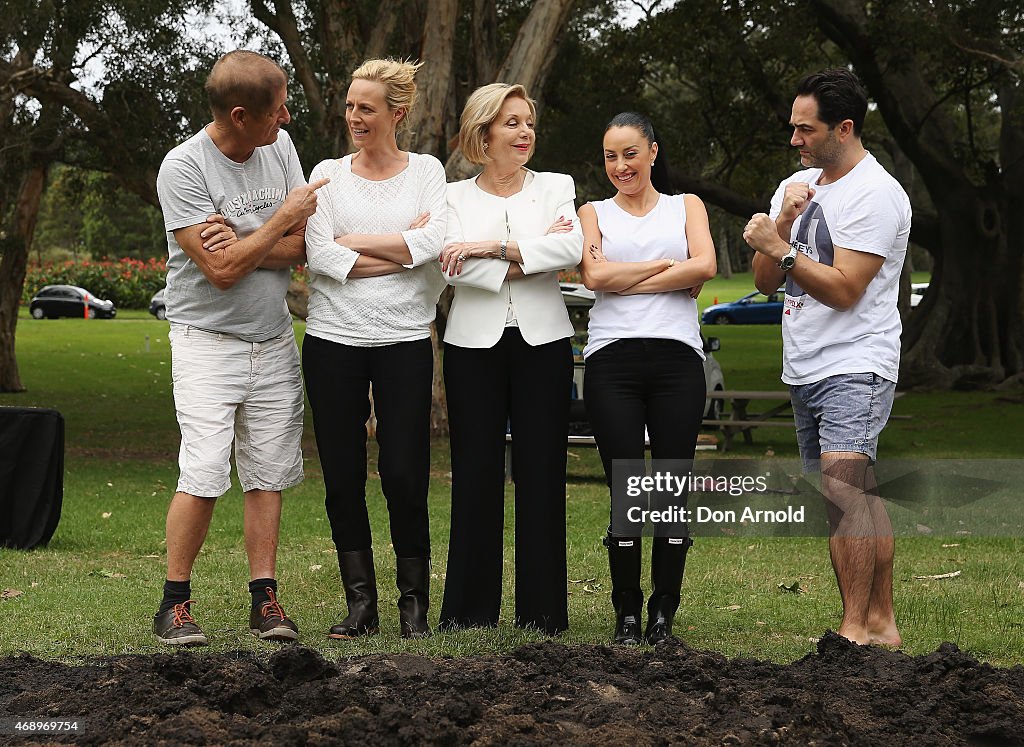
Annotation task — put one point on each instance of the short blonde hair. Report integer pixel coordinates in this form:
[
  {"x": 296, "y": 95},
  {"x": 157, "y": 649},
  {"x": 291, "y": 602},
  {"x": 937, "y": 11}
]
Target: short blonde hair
[
  {"x": 398, "y": 78},
  {"x": 482, "y": 108}
]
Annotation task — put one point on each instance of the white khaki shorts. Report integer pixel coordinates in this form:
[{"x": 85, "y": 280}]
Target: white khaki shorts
[{"x": 227, "y": 390}]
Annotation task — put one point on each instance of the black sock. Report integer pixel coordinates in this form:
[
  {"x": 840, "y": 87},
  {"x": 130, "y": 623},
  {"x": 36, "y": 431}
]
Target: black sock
[
  {"x": 258, "y": 588},
  {"x": 175, "y": 592}
]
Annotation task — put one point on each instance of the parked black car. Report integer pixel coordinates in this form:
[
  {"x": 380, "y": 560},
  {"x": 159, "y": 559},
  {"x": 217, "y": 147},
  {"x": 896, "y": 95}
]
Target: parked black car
[
  {"x": 53, "y": 301},
  {"x": 157, "y": 307}
]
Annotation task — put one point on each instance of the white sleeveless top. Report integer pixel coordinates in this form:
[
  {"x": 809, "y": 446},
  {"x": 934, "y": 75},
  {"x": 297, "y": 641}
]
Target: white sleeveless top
[{"x": 670, "y": 315}]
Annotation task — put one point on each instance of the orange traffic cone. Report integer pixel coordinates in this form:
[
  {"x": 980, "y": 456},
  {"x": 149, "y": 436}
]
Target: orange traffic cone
[{"x": 715, "y": 301}]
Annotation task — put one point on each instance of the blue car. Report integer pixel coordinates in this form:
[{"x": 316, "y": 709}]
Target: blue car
[{"x": 753, "y": 308}]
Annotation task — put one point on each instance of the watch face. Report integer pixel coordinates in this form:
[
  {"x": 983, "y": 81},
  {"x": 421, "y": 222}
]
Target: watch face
[{"x": 787, "y": 262}]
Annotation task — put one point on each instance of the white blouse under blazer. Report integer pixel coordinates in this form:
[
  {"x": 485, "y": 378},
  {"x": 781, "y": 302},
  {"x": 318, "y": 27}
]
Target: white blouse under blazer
[{"x": 483, "y": 296}]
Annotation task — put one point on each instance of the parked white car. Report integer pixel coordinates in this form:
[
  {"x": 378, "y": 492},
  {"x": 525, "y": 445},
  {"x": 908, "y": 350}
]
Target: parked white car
[{"x": 917, "y": 291}]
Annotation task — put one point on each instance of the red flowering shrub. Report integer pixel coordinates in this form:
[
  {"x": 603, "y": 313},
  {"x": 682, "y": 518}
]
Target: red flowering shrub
[{"x": 129, "y": 283}]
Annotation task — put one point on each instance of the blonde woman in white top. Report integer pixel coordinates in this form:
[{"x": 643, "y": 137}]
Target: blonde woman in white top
[
  {"x": 372, "y": 250},
  {"x": 648, "y": 253},
  {"x": 507, "y": 364}
]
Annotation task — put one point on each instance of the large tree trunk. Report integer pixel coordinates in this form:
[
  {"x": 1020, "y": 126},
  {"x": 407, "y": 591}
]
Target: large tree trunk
[
  {"x": 12, "y": 270},
  {"x": 966, "y": 333},
  {"x": 425, "y": 133},
  {"x": 527, "y": 62}
]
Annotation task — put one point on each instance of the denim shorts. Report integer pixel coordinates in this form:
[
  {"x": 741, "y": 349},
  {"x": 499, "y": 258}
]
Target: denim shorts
[
  {"x": 229, "y": 391},
  {"x": 845, "y": 412}
]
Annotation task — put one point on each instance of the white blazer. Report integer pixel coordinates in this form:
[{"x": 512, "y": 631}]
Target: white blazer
[{"x": 482, "y": 294}]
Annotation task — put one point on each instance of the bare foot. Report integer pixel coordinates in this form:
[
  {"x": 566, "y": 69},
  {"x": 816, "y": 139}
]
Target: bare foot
[
  {"x": 855, "y": 633},
  {"x": 884, "y": 632},
  {"x": 889, "y": 637}
]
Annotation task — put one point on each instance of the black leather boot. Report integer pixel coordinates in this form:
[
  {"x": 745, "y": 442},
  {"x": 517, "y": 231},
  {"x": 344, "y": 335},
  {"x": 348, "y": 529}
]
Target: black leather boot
[
  {"x": 414, "y": 596},
  {"x": 627, "y": 597},
  {"x": 360, "y": 582},
  {"x": 668, "y": 559}
]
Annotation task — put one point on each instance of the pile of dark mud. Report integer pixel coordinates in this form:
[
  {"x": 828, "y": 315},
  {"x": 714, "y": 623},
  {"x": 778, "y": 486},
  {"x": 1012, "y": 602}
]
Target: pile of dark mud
[{"x": 544, "y": 693}]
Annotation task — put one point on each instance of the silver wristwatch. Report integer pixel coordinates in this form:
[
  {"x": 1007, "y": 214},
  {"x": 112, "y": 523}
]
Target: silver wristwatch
[{"x": 787, "y": 262}]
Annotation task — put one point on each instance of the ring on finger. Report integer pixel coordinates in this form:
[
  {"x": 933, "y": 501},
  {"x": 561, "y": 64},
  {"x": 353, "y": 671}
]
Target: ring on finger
[{"x": 461, "y": 258}]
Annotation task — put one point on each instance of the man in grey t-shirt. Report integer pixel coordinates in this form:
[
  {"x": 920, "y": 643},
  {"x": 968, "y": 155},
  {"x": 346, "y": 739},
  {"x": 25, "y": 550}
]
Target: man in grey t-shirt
[{"x": 235, "y": 364}]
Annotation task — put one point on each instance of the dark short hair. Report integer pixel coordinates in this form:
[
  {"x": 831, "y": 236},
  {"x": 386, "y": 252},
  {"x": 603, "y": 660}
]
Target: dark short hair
[
  {"x": 840, "y": 96},
  {"x": 659, "y": 171},
  {"x": 246, "y": 79}
]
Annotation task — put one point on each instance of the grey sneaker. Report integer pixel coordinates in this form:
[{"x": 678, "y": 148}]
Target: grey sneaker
[
  {"x": 176, "y": 627},
  {"x": 268, "y": 622}
]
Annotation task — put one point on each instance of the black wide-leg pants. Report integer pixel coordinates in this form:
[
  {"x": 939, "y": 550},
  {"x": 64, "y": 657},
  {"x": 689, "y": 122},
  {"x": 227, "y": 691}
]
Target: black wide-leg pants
[
  {"x": 338, "y": 379},
  {"x": 527, "y": 387}
]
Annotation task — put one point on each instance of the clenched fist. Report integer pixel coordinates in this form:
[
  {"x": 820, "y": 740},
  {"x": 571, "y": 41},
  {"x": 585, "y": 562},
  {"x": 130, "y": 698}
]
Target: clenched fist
[
  {"x": 763, "y": 236},
  {"x": 795, "y": 200}
]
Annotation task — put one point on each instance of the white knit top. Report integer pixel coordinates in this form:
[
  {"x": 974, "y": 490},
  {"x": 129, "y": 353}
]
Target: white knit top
[{"x": 368, "y": 312}]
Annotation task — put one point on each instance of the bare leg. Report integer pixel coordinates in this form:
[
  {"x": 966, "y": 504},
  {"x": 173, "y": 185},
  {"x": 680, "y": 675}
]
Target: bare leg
[
  {"x": 881, "y": 618},
  {"x": 188, "y": 520},
  {"x": 851, "y": 538},
  {"x": 262, "y": 525}
]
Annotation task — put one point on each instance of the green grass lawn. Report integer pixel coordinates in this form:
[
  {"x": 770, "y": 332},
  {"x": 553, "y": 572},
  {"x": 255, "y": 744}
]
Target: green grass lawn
[{"x": 93, "y": 590}]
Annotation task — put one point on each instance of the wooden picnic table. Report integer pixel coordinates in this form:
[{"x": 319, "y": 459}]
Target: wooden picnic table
[{"x": 741, "y": 421}]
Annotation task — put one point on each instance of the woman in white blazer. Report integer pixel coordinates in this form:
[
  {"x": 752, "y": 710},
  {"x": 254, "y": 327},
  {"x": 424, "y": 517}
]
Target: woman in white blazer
[{"x": 507, "y": 365}]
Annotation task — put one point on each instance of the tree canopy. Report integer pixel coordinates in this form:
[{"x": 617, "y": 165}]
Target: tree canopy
[{"x": 111, "y": 85}]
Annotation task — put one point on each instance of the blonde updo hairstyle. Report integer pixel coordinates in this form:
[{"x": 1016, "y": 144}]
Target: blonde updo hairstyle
[
  {"x": 482, "y": 108},
  {"x": 398, "y": 78}
]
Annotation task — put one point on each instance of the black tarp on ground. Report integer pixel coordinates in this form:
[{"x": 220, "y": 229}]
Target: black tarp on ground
[{"x": 31, "y": 475}]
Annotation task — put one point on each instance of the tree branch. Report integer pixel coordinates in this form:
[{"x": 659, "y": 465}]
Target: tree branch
[
  {"x": 715, "y": 193},
  {"x": 283, "y": 23},
  {"x": 905, "y": 99},
  {"x": 387, "y": 19}
]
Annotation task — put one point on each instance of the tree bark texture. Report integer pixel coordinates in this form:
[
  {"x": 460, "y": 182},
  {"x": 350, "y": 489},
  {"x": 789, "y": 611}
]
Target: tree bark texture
[
  {"x": 12, "y": 270},
  {"x": 425, "y": 132},
  {"x": 528, "y": 62}
]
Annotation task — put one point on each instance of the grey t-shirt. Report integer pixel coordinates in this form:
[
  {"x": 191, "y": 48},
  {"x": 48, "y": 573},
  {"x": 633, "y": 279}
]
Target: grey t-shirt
[{"x": 197, "y": 180}]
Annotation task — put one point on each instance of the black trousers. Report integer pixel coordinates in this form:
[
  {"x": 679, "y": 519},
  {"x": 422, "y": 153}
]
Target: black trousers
[
  {"x": 338, "y": 379},
  {"x": 527, "y": 387},
  {"x": 634, "y": 383}
]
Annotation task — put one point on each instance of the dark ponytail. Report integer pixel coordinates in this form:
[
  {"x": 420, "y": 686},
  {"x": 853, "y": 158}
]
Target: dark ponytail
[{"x": 659, "y": 171}]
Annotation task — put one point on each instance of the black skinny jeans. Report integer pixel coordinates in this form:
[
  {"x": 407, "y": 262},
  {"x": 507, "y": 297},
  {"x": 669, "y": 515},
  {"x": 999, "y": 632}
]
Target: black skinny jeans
[
  {"x": 338, "y": 381},
  {"x": 487, "y": 388},
  {"x": 634, "y": 383}
]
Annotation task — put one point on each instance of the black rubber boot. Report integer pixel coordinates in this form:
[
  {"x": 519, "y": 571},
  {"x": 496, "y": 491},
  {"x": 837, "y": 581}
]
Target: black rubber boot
[
  {"x": 668, "y": 559},
  {"x": 360, "y": 582},
  {"x": 414, "y": 596},
  {"x": 627, "y": 597}
]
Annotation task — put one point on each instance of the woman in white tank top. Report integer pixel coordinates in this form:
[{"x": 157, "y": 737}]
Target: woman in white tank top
[{"x": 646, "y": 254}]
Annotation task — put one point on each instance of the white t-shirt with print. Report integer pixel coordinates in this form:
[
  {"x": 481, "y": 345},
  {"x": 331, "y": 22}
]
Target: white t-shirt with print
[{"x": 866, "y": 211}]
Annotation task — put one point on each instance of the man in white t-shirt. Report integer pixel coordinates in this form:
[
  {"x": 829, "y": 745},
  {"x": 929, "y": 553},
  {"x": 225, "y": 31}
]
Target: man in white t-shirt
[
  {"x": 234, "y": 360},
  {"x": 837, "y": 236}
]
